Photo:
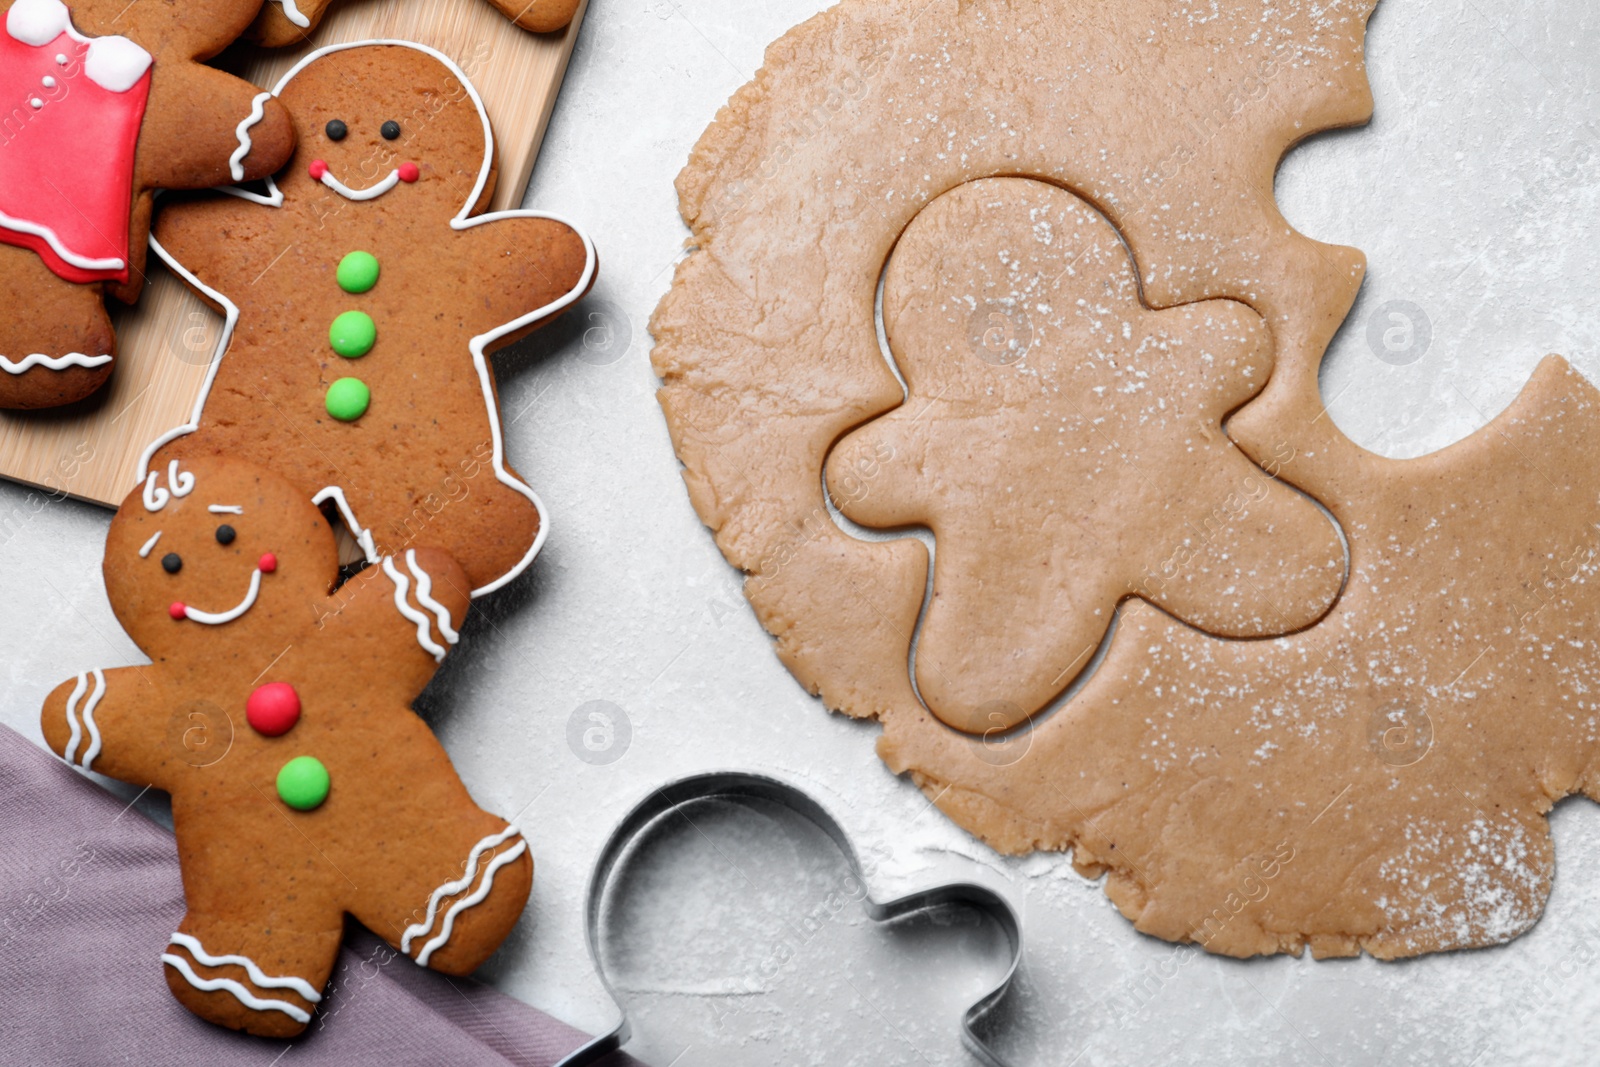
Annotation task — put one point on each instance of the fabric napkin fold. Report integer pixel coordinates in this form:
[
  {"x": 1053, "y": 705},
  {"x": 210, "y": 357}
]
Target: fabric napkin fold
[{"x": 89, "y": 894}]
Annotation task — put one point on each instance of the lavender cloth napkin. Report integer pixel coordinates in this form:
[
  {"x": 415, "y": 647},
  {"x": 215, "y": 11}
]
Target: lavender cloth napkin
[{"x": 89, "y": 893}]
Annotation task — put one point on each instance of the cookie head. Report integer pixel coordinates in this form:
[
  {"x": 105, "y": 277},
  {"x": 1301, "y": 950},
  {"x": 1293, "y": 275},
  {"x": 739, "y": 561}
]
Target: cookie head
[
  {"x": 215, "y": 551},
  {"x": 387, "y": 124}
]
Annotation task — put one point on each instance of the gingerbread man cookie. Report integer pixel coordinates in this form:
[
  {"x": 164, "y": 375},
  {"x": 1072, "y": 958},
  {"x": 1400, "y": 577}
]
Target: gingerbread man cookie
[
  {"x": 292, "y": 22},
  {"x": 363, "y": 297},
  {"x": 276, "y": 711},
  {"x": 107, "y": 102}
]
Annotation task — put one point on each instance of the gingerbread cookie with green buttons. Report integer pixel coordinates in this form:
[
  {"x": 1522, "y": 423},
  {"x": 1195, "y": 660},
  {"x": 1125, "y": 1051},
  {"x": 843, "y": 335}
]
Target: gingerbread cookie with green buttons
[
  {"x": 365, "y": 290},
  {"x": 276, "y": 712}
]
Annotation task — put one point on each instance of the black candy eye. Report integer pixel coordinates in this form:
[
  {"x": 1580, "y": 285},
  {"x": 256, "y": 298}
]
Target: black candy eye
[
  {"x": 336, "y": 129},
  {"x": 172, "y": 563},
  {"x": 390, "y": 130},
  {"x": 225, "y": 534}
]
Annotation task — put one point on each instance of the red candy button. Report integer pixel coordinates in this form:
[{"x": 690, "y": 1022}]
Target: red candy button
[
  {"x": 318, "y": 168},
  {"x": 273, "y": 709},
  {"x": 267, "y": 563},
  {"x": 178, "y": 611},
  {"x": 409, "y": 172}
]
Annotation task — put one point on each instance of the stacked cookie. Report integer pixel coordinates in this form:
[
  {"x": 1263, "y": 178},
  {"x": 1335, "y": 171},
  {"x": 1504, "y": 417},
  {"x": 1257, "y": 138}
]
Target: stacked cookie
[{"x": 354, "y": 390}]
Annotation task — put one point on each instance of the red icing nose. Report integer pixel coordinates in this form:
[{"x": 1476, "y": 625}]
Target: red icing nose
[
  {"x": 318, "y": 168},
  {"x": 268, "y": 563},
  {"x": 178, "y": 611},
  {"x": 409, "y": 172}
]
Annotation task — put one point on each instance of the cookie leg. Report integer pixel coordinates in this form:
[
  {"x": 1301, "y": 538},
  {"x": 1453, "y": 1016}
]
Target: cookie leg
[
  {"x": 63, "y": 349},
  {"x": 247, "y": 976},
  {"x": 540, "y": 16},
  {"x": 454, "y": 915}
]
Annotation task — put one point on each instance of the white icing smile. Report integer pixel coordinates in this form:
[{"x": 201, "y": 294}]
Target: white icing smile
[
  {"x": 213, "y": 619},
  {"x": 405, "y": 172}
]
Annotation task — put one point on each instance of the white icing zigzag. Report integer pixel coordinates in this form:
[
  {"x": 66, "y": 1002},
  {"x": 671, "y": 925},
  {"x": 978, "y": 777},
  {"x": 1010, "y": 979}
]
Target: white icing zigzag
[
  {"x": 424, "y": 588},
  {"x": 292, "y": 13},
  {"x": 258, "y": 111},
  {"x": 87, "y": 763},
  {"x": 38, "y": 359},
  {"x": 243, "y": 995},
  {"x": 424, "y": 629},
  {"x": 416, "y": 930},
  {"x": 257, "y": 975}
]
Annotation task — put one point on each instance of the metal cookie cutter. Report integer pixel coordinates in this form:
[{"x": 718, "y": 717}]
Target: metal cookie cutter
[{"x": 743, "y": 785}]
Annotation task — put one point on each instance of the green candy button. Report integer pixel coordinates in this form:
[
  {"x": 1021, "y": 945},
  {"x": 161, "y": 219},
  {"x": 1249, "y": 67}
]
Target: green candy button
[
  {"x": 347, "y": 399},
  {"x": 358, "y": 272},
  {"x": 352, "y": 334},
  {"x": 303, "y": 783}
]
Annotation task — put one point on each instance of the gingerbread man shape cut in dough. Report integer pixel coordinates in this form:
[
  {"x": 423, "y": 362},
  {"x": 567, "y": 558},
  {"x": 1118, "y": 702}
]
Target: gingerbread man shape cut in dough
[
  {"x": 1379, "y": 782},
  {"x": 1065, "y": 445},
  {"x": 110, "y": 101},
  {"x": 276, "y": 712},
  {"x": 398, "y": 411},
  {"x": 291, "y": 22}
]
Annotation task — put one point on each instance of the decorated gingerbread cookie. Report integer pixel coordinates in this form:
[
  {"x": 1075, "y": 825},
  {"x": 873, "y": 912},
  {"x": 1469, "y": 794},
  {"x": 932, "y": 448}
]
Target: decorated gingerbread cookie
[
  {"x": 364, "y": 294},
  {"x": 276, "y": 712},
  {"x": 291, "y": 22},
  {"x": 106, "y": 102}
]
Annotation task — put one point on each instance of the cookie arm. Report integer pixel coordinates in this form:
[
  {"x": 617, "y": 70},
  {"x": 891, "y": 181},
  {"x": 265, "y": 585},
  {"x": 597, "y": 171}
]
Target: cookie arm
[
  {"x": 398, "y": 618},
  {"x": 529, "y": 267},
  {"x": 539, "y": 16},
  {"x": 109, "y": 721},
  {"x": 211, "y": 129},
  {"x": 205, "y": 232}
]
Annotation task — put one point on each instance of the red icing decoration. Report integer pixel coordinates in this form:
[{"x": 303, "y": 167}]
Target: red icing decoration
[
  {"x": 178, "y": 611},
  {"x": 68, "y": 168},
  {"x": 268, "y": 563},
  {"x": 409, "y": 172},
  {"x": 318, "y": 168},
  {"x": 273, "y": 709}
]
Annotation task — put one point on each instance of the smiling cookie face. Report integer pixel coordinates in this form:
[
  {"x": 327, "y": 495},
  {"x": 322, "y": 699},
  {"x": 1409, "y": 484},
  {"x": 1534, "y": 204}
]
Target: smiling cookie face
[
  {"x": 218, "y": 552},
  {"x": 421, "y": 146}
]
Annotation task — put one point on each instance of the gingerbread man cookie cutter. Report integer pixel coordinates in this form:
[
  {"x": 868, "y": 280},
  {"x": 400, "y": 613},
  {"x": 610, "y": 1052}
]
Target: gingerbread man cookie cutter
[{"x": 749, "y": 785}]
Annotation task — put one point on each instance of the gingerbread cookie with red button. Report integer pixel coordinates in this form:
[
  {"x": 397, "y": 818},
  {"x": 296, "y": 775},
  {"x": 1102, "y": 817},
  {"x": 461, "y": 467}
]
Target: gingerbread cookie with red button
[
  {"x": 364, "y": 292},
  {"x": 105, "y": 102},
  {"x": 292, "y": 22},
  {"x": 276, "y": 712}
]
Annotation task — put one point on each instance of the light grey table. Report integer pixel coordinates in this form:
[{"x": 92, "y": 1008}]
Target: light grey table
[{"x": 1475, "y": 194}]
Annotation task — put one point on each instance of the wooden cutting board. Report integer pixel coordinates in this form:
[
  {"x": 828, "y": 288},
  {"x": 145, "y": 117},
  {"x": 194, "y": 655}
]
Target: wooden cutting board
[{"x": 90, "y": 450}]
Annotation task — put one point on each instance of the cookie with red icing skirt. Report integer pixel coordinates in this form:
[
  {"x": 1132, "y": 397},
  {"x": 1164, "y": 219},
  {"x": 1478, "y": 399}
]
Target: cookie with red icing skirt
[
  {"x": 291, "y": 22},
  {"x": 104, "y": 103},
  {"x": 364, "y": 293},
  {"x": 276, "y": 711}
]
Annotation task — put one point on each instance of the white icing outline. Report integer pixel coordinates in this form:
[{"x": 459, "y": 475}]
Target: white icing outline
[
  {"x": 144, "y": 552},
  {"x": 371, "y": 192},
  {"x": 424, "y": 588},
  {"x": 67, "y": 255},
  {"x": 292, "y": 13},
  {"x": 483, "y": 890},
  {"x": 218, "y": 618},
  {"x": 416, "y": 930},
  {"x": 258, "y": 111},
  {"x": 39, "y": 359},
  {"x": 225, "y": 509},
  {"x": 476, "y": 346},
  {"x": 261, "y": 979},
  {"x": 89, "y": 754},
  {"x": 424, "y": 632},
  {"x": 243, "y": 995}
]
